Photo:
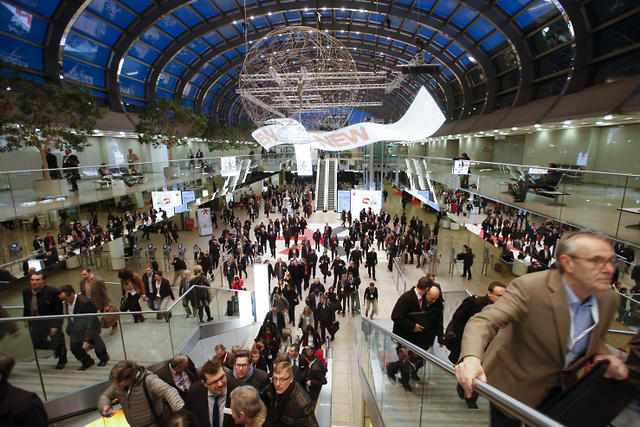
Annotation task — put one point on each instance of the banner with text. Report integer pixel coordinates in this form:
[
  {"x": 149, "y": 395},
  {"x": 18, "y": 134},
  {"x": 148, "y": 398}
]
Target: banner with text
[
  {"x": 303, "y": 160},
  {"x": 422, "y": 119},
  {"x": 204, "y": 222},
  {"x": 365, "y": 199},
  {"x": 228, "y": 166}
]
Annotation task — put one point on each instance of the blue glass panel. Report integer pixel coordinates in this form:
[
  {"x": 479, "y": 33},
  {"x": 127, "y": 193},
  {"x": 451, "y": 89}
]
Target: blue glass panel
[
  {"x": 377, "y": 18},
  {"x": 225, "y": 5},
  {"x": 428, "y": 57},
  {"x": 259, "y": 22},
  {"x": 215, "y": 88},
  {"x": 133, "y": 68},
  {"x": 230, "y": 54},
  {"x": 480, "y": 29},
  {"x": 441, "y": 40},
  {"x": 242, "y": 49},
  {"x": 227, "y": 32},
  {"x": 425, "y": 4},
  {"x": 360, "y": 16},
  {"x": 384, "y": 41},
  {"x": 275, "y": 19},
  {"x": 223, "y": 79},
  {"x": 208, "y": 98},
  {"x": 212, "y": 38},
  {"x": 131, "y": 87},
  {"x": 83, "y": 73},
  {"x": 170, "y": 26},
  {"x": 410, "y": 27},
  {"x": 188, "y": 103},
  {"x": 445, "y": 8},
  {"x": 84, "y": 48},
  {"x": 187, "y": 16},
  {"x": 341, "y": 14},
  {"x": 137, "y": 5},
  {"x": 175, "y": 68},
  {"x": 466, "y": 62},
  {"x": 292, "y": 16},
  {"x": 112, "y": 12},
  {"x": 464, "y": 17},
  {"x": 427, "y": 32},
  {"x": 238, "y": 27},
  {"x": 399, "y": 45},
  {"x": 44, "y": 8},
  {"x": 190, "y": 90},
  {"x": 131, "y": 101},
  {"x": 185, "y": 56},
  {"x": 411, "y": 49},
  {"x": 97, "y": 29},
  {"x": 197, "y": 79},
  {"x": 98, "y": 93},
  {"x": 218, "y": 61},
  {"x": 21, "y": 23},
  {"x": 447, "y": 73},
  {"x": 166, "y": 81},
  {"x": 370, "y": 38},
  {"x": 233, "y": 72},
  {"x": 198, "y": 46},
  {"x": 536, "y": 11},
  {"x": 207, "y": 69},
  {"x": 308, "y": 13},
  {"x": 405, "y": 2},
  {"x": 156, "y": 38},
  {"x": 513, "y": 6},
  {"x": 357, "y": 36},
  {"x": 33, "y": 77},
  {"x": 144, "y": 52},
  {"x": 455, "y": 50},
  {"x": 20, "y": 53},
  {"x": 206, "y": 110},
  {"x": 495, "y": 41},
  {"x": 205, "y": 8}
]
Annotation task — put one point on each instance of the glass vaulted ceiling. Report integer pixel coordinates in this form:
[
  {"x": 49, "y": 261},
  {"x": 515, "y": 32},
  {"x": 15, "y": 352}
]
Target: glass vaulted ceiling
[{"x": 492, "y": 54}]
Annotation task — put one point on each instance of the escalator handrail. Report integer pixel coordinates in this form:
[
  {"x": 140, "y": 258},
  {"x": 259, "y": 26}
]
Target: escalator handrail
[{"x": 513, "y": 406}]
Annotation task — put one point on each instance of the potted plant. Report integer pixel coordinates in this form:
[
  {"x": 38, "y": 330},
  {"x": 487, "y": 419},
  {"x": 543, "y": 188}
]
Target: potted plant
[
  {"x": 45, "y": 116},
  {"x": 166, "y": 122}
]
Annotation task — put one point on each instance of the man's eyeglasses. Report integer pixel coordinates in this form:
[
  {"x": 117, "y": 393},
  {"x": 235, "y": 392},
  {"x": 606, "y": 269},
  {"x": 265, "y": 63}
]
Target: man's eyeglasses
[
  {"x": 216, "y": 381},
  {"x": 597, "y": 261},
  {"x": 281, "y": 380}
]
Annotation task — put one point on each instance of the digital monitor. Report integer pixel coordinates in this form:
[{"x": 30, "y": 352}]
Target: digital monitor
[
  {"x": 188, "y": 196},
  {"x": 180, "y": 246},
  {"x": 35, "y": 263},
  {"x": 461, "y": 167},
  {"x": 150, "y": 246},
  {"x": 195, "y": 247},
  {"x": 537, "y": 171},
  {"x": 14, "y": 245},
  {"x": 135, "y": 246},
  {"x": 180, "y": 209},
  {"x": 164, "y": 246}
]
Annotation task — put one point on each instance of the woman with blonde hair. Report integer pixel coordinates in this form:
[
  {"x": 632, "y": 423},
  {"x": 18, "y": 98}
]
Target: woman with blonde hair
[
  {"x": 306, "y": 318},
  {"x": 202, "y": 294}
]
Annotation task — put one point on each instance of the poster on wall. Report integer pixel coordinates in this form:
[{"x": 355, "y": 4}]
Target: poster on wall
[
  {"x": 461, "y": 167},
  {"x": 365, "y": 199},
  {"x": 204, "y": 222},
  {"x": 228, "y": 166},
  {"x": 303, "y": 159},
  {"x": 344, "y": 200},
  {"x": 166, "y": 200}
]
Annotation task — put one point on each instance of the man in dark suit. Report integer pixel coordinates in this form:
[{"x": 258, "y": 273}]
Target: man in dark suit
[
  {"x": 297, "y": 360},
  {"x": 356, "y": 257},
  {"x": 18, "y": 407},
  {"x": 277, "y": 318},
  {"x": 325, "y": 317},
  {"x": 314, "y": 375},
  {"x": 149, "y": 286},
  {"x": 244, "y": 373},
  {"x": 79, "y": 328},
  {"x": 534, "y": 339},
  {"x": 208, "y": 398},
  {"x": 372, "y": 261},
  {"x": 179, "y": 372},
  {"x": 164, "y": 293},
  {"x": 42, "y": 300},
  {"x": 289, "y": 404},
  {"x": 406, "y": 313},
  {"x": 71, "y": 162}
]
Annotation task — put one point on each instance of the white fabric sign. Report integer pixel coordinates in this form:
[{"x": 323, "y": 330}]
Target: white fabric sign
[
  {"x": 461, "y": 167},
  {"x": 228, "y": 166},
  {"x": 166, "y": 200},
  {"x": 204, "y": 222},
  {"x": 422, "y": 119},
  {"x": 303, "y": 159},
  {"x": 365, "y": 199}
]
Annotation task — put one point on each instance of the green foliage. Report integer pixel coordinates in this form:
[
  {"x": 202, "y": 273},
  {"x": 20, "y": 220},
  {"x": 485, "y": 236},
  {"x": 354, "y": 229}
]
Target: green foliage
[
  {"x": 166, "y": 122},
  {"x": 222, "y": 136},
  {"x": 44, "y": 115}
]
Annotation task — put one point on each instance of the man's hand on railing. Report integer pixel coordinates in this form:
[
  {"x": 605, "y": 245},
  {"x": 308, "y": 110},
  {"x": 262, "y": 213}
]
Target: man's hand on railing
[{"x": 467, "y": 371}]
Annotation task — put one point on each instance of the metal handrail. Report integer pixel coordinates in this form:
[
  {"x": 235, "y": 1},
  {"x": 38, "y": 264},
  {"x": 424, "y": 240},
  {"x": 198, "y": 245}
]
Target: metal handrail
[
  {"x": 513, "y": 406},
  {"x": 520, "y": 165},
  {"x": 117, "y": 313}
]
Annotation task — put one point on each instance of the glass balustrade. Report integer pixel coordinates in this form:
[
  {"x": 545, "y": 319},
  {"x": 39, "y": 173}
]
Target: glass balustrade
[
  {"x": 601, "y": 201},
  {"x": 158, "y": 338}
]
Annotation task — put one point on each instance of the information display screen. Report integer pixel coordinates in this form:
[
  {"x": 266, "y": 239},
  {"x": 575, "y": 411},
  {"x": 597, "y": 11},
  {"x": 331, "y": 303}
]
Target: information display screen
[{"x": 461, "y": 167}]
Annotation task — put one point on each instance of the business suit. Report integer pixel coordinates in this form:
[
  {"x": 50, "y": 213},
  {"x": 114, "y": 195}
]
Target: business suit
[
  {"x": 48, "y": 304},
  {"x": 258, "y": 380},
  {"x": 527, "y": 358},
  {"x": 197, "y": 401},
  {"x": 315, "y": 374},
  {"x": 79, "y": 328},
  {"x": 403, "y": 323},
  {"x": 164, "y": 373}
]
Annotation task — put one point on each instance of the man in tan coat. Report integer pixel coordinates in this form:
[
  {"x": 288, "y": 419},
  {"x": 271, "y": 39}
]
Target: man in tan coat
[
  {"x": 94, "y": 288},
  {"x": 550, "y": 324}
]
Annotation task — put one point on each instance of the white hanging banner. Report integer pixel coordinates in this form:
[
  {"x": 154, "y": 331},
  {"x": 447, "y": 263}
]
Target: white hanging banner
[
  {"x": 228, "y": 166},
  {"x": 204, "y": 222},
  {"x": 365, "y": 199},
  {"x": 422, "y": 119},
  {"x": 303, "y": 159}
]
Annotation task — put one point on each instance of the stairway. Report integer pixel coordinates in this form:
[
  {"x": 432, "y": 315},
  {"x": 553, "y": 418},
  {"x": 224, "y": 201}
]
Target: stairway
[
  {"x": 332, "y": 184},
  {"x": 320, "y": 185}
]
